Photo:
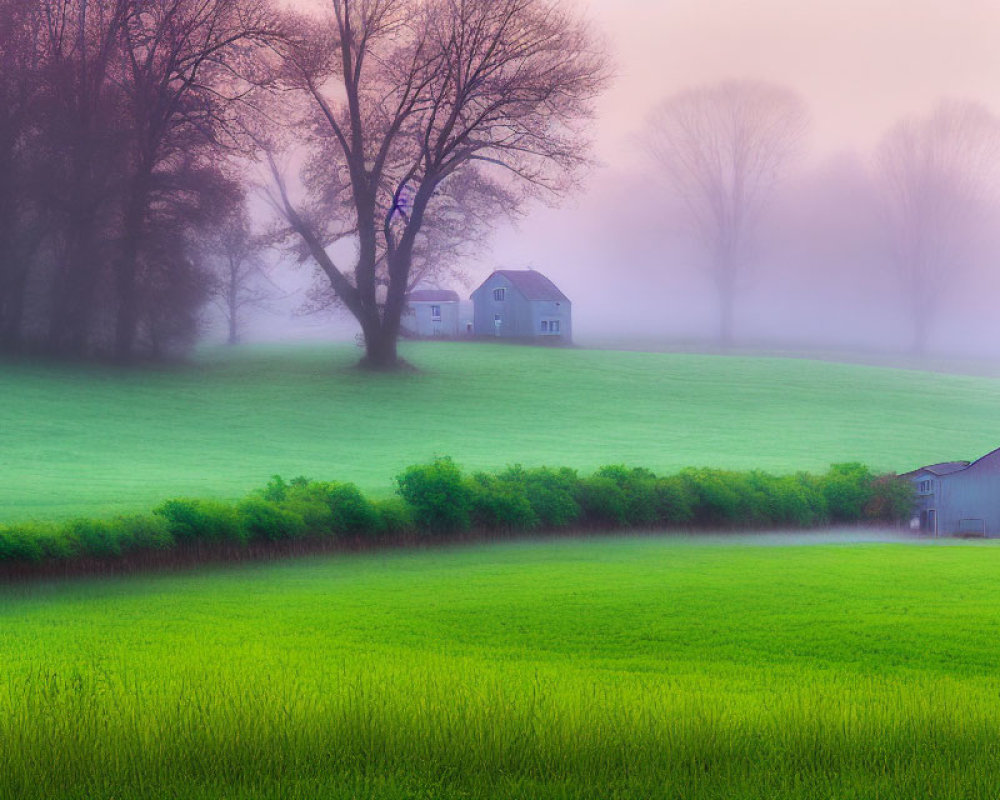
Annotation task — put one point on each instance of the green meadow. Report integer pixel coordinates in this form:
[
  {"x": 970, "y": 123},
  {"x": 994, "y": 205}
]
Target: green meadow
[
  {"x": 639, "y": 667},
  {"x": 93, "y": 441}
]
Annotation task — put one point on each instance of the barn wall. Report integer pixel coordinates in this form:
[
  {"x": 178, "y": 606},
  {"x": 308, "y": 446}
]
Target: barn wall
[{"x": 972, "y": 494}]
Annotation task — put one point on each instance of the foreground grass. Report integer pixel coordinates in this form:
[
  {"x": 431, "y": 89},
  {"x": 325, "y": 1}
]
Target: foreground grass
[
  {"x": 92, "y": 441},
  {"x": 629, "y": 667}
]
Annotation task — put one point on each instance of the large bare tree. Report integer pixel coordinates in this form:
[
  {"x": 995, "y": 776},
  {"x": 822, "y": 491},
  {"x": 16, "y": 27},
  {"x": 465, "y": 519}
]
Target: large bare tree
[
  {"x": 722, "y": 149},
  {"x": 405, "y": 97},
  {"x": 939, "y": 179}
]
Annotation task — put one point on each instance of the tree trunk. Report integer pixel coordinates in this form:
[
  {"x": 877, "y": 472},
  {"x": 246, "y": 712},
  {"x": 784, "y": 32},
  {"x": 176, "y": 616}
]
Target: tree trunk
[
  {"x": 126, "y": 273},
  {"x": 380, "y": 349},
  {"x": 234, "y": 337},
  {"x": 12, "y": 311},
  {"x": 73, "y": 290}
]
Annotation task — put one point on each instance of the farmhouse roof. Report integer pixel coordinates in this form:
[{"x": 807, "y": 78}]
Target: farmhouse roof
[
  {"x": 433, "y": 296},
  {"x": 533, "y": 285}
]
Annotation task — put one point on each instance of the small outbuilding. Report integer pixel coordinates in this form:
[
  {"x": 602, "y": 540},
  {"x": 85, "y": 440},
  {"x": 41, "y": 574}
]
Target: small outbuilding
[
  {"x": 522, "y": 304},
  {"x": 958, "y": 497},
  {"x": 432, "y": 314}
]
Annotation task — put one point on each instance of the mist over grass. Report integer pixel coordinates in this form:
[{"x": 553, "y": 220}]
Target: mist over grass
[
  {"x": 88, "y": 441},
  {"x": 630, "y": 667}
]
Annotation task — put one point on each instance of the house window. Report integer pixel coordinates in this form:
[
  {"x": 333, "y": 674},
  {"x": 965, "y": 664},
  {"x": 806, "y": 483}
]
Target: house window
[
  {"x": 500, "y": 294},
  {"x": 554, "y": 326},
  {"x": 925, "y": 487},
  {"x": 545, "y": 326},
  {"x": 436, "y": 313}
]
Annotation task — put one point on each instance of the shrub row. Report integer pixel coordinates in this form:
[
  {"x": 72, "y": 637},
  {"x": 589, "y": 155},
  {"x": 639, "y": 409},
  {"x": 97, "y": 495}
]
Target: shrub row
[{"x": 438, "y": 499}]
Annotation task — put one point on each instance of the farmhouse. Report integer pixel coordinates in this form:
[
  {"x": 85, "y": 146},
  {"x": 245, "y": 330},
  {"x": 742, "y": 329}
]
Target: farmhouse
[
  {"x": 432, "y": 313},
  {"x": 522, "y": 304},
  {"x": 959, "y": 497}
]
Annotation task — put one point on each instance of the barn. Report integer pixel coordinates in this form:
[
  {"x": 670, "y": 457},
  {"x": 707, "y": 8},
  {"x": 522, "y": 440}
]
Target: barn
[
  {"x": 432, "y": 313},
  {"x": 522, "y": 304},
  {"x": 959, "y": 497}
]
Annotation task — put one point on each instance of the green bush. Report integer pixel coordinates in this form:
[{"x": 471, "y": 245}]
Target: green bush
[
  {"x": 55, "y": 543},
  {"x": 395, "y": 516},
  {"x": 714, "y": 500},
  {"x": 550, "y": 492},
  {"x": 202, "y": 520},
  {"x": 640, "y": 489},
  {"x": 892, "y": 499},
  {"x": 440, "y": 498},
  {"x": 353, "y": 513},
  {"x": 847, "y": 490},
  {"x": 23, "y": 542},
  {"x": 99, "y": 538},
  {"x": 674, "y": 501},
  {"x": 499, "y": 504},
  {"x": 268, "y": 521},
  {"x": 143, "y": 532},
  {"x": 310, "y": 502},
  {"x": 331, "y": 508},
  {"x": 796, "y": 501},
  {"x": 602, "y": 501}
]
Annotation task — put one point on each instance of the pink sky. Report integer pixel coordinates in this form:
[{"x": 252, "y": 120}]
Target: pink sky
[{"x": 860, "y": 64}]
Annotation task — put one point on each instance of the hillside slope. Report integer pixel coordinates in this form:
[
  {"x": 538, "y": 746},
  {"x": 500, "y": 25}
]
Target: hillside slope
[{"x": 93, "y": 440}]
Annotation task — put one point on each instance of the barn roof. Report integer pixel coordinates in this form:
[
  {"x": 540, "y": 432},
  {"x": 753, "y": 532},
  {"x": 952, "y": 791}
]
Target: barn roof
[
  {"x": 533, "y": 285},
  {"x": 433, "y": 296},
  {"x": 944, "y": 468}
]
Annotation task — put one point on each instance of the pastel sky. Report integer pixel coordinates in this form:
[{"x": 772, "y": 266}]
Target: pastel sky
[{"x": 860, "y": 64}]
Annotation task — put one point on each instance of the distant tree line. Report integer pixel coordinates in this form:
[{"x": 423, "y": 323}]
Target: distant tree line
[
  {"x": 117, "y": 127},
  {"x": 722, "y": 150}
]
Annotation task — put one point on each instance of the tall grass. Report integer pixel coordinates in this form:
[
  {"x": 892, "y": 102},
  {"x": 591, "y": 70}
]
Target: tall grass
[{"x": 639, "y": 667}]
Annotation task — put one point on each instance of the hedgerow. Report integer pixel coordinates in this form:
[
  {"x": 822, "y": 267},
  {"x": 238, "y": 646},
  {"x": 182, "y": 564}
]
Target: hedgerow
[{"x": 437, "y": 499}]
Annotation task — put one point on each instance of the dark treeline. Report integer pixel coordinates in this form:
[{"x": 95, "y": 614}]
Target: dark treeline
[{"x": 117, "y": 124}]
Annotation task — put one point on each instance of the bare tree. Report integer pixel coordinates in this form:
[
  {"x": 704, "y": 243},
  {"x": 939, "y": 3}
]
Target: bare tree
[
  {"x": 456, "y": 225},
  {"x": 723, "y": 148},
  {"x": 239, "y": 273},
  {"x": 939, "y": 176},
  {"x": 185, "y": 65},
  {"x": 404, "y": 97}
]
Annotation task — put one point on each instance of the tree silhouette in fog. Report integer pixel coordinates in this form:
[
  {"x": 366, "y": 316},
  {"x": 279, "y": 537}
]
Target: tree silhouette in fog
[
  {"x": 938, "y": 176},
  {"x": 722, "y": 149}
]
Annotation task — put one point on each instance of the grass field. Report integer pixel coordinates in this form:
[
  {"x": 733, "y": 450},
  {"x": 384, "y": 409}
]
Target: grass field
[
  {"x": 93, "y": 440},
  {"x": 600, "y": 668}
]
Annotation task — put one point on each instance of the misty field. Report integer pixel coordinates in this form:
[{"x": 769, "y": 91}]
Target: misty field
[
  {"x": 92, "y": 440},
  {"x": 643, "y": 666}
]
